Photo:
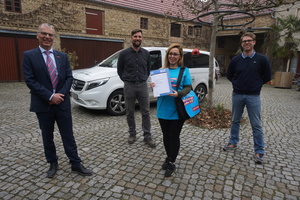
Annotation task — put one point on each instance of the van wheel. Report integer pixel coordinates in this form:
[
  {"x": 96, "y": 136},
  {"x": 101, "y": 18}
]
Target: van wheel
[
  {"x": 201, "y": 92},
  {"x": 116, "y": 103}
]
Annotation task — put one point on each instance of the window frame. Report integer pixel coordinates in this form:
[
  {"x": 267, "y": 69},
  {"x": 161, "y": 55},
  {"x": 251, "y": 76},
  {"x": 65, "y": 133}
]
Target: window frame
[
  {"x": 13, "y": 6},
  {"x": 190, "y": 31},
  {"x": 175, "y": 30},
  {"x": 298, "y": 13},
  {"x": 144, "y": 23}
]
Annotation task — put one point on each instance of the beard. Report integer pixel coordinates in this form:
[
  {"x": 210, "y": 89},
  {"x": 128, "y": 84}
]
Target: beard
[{"x": 136, "y": 44}]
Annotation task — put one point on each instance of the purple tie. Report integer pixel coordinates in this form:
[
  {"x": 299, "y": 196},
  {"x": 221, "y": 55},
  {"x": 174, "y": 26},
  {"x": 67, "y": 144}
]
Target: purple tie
[{"x": 51, "y": 69}]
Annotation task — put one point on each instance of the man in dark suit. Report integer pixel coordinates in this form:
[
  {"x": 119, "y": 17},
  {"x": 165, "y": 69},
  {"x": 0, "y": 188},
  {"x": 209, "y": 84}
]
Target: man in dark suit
[{"x": 49, "y": 77}]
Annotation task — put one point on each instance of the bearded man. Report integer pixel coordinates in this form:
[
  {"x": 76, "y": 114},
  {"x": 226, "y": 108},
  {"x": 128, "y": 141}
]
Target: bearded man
[{"x": 134, "y": 70}]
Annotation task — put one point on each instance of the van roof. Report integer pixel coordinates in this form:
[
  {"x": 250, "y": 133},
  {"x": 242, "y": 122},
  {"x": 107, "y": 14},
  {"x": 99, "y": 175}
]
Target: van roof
[{"x": 165, "y": 48}]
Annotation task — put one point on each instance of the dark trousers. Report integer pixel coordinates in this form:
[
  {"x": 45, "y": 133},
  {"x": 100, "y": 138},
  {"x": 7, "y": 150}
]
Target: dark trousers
[
  {"x": 63, "y": 119},
  {"x": 171, "y": 131},
  {"x": 137, "y": 92}
]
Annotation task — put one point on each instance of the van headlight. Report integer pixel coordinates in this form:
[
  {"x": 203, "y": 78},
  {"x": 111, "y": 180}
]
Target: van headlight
[{"x": 96, "y": 83}]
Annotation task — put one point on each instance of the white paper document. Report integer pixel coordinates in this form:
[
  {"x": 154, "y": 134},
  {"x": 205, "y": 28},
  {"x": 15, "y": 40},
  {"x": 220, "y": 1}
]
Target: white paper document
[{"x": 161, "y": 78}]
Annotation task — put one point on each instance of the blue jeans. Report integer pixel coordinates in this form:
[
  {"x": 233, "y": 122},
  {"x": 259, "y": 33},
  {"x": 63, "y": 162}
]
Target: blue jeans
[{"x": 252, "y": 103}]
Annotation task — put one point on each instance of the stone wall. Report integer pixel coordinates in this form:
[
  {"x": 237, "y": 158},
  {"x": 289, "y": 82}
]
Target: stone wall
[
  {"x": 265, "y": 20},
  {"x": 63, "y": 15},
  {"x": 68, "y": 17}
]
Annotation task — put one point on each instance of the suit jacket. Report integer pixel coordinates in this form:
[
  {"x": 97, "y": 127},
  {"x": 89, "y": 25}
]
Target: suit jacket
[{"x": 38, "y": 80}]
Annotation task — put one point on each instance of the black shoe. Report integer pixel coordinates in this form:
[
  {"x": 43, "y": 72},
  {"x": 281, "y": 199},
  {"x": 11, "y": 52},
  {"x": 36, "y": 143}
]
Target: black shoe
[
  {"x": 258, "y": 158},
  {"x": 131, "y": 139},
  {"x": 150, "y": 142},
  {"x": 165, "y": 165},
  {"x": 82, "y": 170},
  {"x": 170, "y": 170},
  {"x": 52, "y": 170}
]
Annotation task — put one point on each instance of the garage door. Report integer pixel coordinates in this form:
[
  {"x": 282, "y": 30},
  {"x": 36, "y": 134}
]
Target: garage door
[
  {"x": 90, "y": 52},
  {"x": 11, "y": 49}
]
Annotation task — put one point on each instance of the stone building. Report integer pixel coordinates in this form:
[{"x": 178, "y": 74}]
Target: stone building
[
  {"x": 91, "y": 30},
  {"x": 87, "y": 29},
  {"x": 228, "y": 39},
  {"x": 282, "y": 12}
]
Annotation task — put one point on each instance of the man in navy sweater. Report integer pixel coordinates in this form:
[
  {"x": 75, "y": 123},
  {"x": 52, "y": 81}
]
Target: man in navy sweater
[{"x": 247, "y": 73}]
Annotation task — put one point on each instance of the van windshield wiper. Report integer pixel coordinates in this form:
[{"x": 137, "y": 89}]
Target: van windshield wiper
[{"x": 103, "y": 65}]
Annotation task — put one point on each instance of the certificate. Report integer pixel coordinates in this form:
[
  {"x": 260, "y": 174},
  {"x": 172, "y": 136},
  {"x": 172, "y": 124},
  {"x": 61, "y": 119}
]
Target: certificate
[{"x": 161, "y": 78}]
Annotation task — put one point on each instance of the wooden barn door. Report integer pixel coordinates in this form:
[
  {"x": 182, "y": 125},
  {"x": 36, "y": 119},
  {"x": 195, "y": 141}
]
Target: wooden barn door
[
  {"x": 90, "y": 52},
  {"x": 11, "y": 50}
]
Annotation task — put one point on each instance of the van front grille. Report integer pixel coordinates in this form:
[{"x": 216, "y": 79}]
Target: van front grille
[{"x": 77, "y": 85}]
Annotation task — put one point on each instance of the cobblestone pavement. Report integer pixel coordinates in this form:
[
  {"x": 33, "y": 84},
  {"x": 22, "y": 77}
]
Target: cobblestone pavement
[{"x": 123, "y": 171}]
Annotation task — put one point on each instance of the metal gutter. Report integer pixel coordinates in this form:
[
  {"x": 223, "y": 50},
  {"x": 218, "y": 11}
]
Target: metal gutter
[
  {"x": 91, "y": 38},
  {"x": 239, "y": 29},
  {"x": 62, "y": 36},
  {"x": 17, "y": 32}
]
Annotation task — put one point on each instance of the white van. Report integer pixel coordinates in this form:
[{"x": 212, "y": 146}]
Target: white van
[{"x": 100, "y": 87}]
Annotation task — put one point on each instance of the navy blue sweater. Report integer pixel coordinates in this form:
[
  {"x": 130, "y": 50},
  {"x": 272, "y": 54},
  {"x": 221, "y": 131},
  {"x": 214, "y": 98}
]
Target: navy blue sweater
[{"x": 249, "y": 74}]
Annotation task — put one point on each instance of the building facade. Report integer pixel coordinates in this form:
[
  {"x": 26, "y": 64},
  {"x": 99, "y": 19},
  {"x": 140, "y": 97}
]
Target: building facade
[
  {"x": 91, "y": 30},
  {"x": 88, "y": 30},
  {"x": 282, "y": 12}
]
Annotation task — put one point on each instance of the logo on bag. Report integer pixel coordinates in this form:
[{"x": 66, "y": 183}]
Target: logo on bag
[
  {"x": 188, "y": 100},
  {"x": 196, "y": 108}
]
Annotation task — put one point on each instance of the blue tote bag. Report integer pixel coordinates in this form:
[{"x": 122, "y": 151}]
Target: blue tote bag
[{"x": 187, "y": 106}]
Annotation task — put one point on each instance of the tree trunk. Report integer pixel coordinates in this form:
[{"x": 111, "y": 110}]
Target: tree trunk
[{"x": 211, "y": 62}]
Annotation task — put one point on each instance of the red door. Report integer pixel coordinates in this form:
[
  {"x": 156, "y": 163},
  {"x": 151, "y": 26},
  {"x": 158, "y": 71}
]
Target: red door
[
  {"x": 11, "y": 50},
  {"x": 90, "y": 52},
  {"x": 25, "y": 44},
  {"x": 8, "y": 64},
  {"x": 94, "y": 21}
]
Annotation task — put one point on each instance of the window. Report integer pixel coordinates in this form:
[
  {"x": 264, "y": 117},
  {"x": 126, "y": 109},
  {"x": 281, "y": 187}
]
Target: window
[
  {"x": 201, "y": 61},
  {"x": 144, "y": 23},
  {"x": 111, "y": 61},
  {"x": 13, "y": 5},
  {"x": 94, "y": 21},
  {"x": 191, "y": 30},
  {"x": 175, "y": 30},
  {"x": 155, "y": 59}
]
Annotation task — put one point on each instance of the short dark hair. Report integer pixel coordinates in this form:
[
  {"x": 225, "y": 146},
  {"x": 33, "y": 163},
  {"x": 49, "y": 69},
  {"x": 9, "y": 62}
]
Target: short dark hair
[{"x": 136, "y": 31}]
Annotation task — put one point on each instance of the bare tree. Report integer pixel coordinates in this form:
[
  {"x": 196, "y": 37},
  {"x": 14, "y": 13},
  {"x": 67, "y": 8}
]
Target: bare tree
[{"x": 220, "y": 14}]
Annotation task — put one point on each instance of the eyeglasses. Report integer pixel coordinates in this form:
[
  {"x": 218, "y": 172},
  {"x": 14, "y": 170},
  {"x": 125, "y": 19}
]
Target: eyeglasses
[
  {"x": 173, "y": 54},
  {"x": 45, "y": 34},
  {"x": 245, "y": 41}
]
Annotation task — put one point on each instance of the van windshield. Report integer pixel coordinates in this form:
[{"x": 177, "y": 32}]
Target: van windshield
[{"x": 111, "y": 61}]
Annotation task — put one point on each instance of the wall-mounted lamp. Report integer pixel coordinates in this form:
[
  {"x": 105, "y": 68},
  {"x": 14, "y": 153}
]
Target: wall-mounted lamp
[
  {"x": 249, "y": 29},
  {"x": 197, "y": 28}
]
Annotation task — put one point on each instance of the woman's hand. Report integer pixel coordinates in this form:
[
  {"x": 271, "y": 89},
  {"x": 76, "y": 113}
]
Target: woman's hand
[
  {"x": 174, "y": 94},
  {"x": 152, "y": 84}
]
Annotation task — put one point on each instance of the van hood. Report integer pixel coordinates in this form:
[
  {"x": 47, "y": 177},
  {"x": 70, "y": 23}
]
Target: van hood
[{"x": 94, "y": 73}]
